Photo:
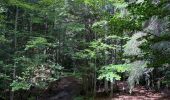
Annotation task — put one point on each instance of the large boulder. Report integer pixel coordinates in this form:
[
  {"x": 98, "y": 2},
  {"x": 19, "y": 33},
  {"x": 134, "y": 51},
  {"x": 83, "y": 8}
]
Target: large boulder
[{"x": 63, "y": 89}]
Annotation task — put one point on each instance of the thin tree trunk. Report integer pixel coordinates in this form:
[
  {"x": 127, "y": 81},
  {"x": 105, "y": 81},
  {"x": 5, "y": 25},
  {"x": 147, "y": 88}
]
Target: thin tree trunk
[
  {"x": 56, "y": 52},
  {"x": 106, "y": 87},
  {"x": 30, "y": 23},
  {"x": 115, "y": 62},
  {"x": 46, "y": 23},
  {"x": 15, "y": 47},
  {"x": 106, "y": 83},
  {"x": 111, "y": 86},
  {"x": 95, "y": 78},
  {"x": 112, "y": 83}
]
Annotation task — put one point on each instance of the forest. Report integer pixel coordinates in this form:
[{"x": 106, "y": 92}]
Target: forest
[{"x": 84, "y": 49}]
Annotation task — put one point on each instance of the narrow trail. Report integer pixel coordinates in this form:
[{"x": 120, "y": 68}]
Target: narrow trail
[{"x": 139, "y": 93}]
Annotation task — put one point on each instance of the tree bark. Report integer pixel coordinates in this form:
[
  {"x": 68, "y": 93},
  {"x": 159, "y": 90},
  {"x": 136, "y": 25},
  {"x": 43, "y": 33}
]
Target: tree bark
[{"x": 15, "y": 47}]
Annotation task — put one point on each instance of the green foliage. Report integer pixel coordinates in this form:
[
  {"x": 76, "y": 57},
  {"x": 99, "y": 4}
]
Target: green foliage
[
  {"x": 75, "y": 27},
  {"x": 37, "y": 20},
  {"x": 46, "y": 2},
  {"x": 100, "y": 46},
  {"x": 37, "y": 42},
  {"x": 99, "y": 24},
  {"x": 3, "y": 39},
  {"x": 97, "y": 49},
  {"x": 112, "y": 71},
  {"x": 21, "y": 3},
  {"x": 49, "y": 39},
  {"x": 3, "y": 78},
  {"x": 20, "y": 86}
]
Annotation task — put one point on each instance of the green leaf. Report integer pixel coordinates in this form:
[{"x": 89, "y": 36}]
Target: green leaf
[{"x": 20, "y": 85}]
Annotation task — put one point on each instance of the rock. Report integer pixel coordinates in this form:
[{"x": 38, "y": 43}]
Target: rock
[{"x": 63, "y": 89}]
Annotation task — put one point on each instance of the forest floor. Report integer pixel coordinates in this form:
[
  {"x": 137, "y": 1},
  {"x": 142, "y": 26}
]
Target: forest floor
[{"x": 139, "y": 93}]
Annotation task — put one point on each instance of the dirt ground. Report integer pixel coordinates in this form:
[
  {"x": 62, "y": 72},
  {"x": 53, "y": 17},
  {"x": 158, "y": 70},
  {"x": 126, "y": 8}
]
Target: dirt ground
[{"x": 139, "y": 93}]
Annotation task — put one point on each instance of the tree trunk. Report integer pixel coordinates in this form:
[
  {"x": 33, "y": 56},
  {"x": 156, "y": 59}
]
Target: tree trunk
[
  {"x": 15, "y": 47},
  {"x": 30, "y": 23},
  {"x": 111, "y": 86}
]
